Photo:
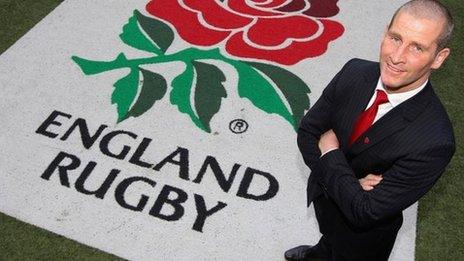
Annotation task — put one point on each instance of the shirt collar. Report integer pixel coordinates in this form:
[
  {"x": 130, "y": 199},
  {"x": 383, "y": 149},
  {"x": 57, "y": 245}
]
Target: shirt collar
[{"x": 396, "y": 98}]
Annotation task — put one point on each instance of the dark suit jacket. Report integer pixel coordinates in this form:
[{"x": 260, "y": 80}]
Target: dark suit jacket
[{"x": 410, "y": 146}]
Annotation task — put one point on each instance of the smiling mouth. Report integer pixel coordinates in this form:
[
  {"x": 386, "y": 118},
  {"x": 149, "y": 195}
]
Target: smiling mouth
[{"x": 393, "y": 68}]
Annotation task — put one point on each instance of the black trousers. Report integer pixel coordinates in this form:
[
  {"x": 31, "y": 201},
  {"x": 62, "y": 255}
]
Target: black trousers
[{"x": 348, "y": 243}]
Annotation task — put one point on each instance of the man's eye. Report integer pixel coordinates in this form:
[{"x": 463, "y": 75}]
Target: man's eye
[
  {"x": 417, "y": 49},
  {"x": 395, "y": 38}
]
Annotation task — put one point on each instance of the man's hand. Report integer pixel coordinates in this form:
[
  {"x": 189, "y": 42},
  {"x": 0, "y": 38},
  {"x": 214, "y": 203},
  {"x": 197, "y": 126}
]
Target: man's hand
[
  {"x": 328, "y": 141},
  {"x": 370, "y": 181}
]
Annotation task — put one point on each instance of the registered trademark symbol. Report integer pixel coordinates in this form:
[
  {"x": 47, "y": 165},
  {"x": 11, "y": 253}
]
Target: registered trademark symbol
[{"x": 238, "y": 126}]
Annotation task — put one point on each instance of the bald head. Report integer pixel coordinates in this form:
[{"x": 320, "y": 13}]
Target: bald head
[{"x": 430, "y": 10}]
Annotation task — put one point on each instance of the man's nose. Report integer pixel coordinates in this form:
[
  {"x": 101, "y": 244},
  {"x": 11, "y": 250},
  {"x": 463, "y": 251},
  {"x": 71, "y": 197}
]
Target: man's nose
[{"x": 398, "y": 55}]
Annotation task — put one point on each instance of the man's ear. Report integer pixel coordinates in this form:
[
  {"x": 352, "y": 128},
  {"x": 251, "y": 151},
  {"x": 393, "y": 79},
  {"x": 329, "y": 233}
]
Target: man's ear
[{"x": 440, "y": 58}]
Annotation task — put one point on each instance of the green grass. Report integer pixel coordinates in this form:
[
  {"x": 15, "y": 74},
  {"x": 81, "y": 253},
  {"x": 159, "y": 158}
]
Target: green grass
[
  {"x": 17, "y": 17},
  {"x": 440, "y": 228},
  {"x": 22, "y": 241}
]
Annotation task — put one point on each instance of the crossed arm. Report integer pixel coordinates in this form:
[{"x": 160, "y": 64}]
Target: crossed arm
[
  {"x": 403, "y": 184},
  {"x": 329, "y": 141}
]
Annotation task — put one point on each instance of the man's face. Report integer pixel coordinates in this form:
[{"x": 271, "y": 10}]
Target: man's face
[{"x": 408, "y": 52}]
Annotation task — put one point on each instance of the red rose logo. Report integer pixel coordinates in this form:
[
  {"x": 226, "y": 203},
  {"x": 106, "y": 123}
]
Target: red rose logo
[{"x": 282, "y": 31}]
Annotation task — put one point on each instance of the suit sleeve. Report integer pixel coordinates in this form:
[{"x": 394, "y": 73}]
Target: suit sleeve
[
  {"x": 402, "y": 185},
  {"x": 317, "y": 121}
]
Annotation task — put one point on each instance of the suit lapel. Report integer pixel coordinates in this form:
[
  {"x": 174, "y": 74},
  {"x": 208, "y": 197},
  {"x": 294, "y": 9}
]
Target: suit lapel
[
  {"x": 394, "y": 121},
  {"x": 358, "y": 104}
]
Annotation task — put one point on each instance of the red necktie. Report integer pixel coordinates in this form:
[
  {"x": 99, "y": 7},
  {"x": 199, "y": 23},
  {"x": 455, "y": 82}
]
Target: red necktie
[{"x": 367, "y": 117}]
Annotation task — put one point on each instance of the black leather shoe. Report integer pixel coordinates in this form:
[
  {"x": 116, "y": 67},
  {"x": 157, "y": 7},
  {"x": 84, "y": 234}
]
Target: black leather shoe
[{"x": 305, "y": 253}]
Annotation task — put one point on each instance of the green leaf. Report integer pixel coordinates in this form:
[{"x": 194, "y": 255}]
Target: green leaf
[
  {"x": 260, "y": 92},
  {"x": 293, "y": 88},
  {"x": 160, "y": 33},
  {"x": 133, "y": 36},
  {"x": 153, "y": 88},
  {"x": 209, "y": 91},
  {"x": 125, "y": 92},
  {"x": 180, "y": 94}
]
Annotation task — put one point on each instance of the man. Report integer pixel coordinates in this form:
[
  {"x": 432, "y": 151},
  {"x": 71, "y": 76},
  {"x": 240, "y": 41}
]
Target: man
[{"x": 377, "y": 139}]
